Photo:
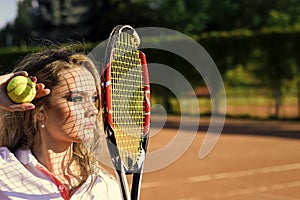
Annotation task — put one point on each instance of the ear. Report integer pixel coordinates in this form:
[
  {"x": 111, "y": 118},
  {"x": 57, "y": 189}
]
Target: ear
[{"x": 41, "y": 113}]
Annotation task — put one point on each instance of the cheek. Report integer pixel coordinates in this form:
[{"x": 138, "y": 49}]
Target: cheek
[
  {"x": 71, "y": 121},
  {"x": 65, "y": 118},
  {"x": 79, "y": 121},
  {"x": 77, "y": 118}
]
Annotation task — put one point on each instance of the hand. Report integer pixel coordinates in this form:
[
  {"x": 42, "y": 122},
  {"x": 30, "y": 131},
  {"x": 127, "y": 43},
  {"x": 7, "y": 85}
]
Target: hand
[{"x": 7, "y": 104}]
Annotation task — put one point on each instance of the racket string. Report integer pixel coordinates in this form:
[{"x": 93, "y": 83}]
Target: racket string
[{"x": 127, "y": 98}]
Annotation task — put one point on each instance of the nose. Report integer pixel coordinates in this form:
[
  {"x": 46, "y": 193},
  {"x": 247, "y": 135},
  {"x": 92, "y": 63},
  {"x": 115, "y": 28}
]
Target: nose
[{"x": 91, "y": 110}]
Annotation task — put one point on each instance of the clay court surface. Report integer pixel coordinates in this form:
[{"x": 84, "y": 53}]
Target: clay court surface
[{"x": 252, "y": 160}]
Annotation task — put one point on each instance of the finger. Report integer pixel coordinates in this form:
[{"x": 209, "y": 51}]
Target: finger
[
  {"x": 9, "y": 76},
  {"x": 33, "y": 79},
  {"x": 20, "y": 73},
  {"x": 20, "y": 107},
  {"x": 41, "y": 91},
  {"x": 40, "y": 86}
]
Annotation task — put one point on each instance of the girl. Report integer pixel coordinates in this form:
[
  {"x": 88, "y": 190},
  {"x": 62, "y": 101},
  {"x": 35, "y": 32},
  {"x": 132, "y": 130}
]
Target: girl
[{"x": 50, "y": 152}]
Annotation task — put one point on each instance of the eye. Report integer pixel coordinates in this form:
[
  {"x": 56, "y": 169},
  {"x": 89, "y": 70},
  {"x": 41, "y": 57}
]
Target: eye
[
  {"x": 75, "y": 98},
  {"x": 95, "y": 98}
]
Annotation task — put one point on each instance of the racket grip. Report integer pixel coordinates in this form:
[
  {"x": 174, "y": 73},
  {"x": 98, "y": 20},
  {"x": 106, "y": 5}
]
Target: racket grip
[
  {"x": 136, "y": 184},
  {"x": 123, "y": 185}
]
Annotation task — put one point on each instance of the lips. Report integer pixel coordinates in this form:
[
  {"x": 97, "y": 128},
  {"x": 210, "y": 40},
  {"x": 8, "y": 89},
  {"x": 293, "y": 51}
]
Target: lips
[{"x": 89, "y": 126}]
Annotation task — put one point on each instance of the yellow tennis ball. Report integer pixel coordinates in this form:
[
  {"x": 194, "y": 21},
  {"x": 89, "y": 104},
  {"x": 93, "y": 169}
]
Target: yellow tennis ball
[{"x": 21, "y": 89}]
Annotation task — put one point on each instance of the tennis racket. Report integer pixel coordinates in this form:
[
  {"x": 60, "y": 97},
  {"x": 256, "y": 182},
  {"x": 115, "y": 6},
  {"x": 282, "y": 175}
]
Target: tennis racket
[{"x": 126, "y": 105}]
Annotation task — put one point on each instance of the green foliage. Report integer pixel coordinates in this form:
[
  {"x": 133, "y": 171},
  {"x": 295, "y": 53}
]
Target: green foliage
[
  {"x": 92, "y": 20},
  {"x": 240, "y": 77},
  {"x": 9, "y": 57},
  {"x": 59, "y": 13},
  {"x": 252, "y": 42}
]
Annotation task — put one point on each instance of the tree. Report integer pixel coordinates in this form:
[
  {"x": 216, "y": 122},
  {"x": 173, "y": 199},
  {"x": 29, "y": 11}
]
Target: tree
[
  {"x": 23, "y": 25},
  {"x": 274, "y": 64},
  {"x": 58, "y": 18}
]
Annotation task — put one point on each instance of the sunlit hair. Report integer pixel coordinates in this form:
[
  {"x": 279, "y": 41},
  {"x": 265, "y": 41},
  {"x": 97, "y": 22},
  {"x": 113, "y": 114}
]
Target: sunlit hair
[{"x": 21, "y": 130}]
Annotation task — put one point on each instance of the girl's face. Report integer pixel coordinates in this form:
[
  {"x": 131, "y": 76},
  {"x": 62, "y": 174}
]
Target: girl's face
[{"x": 72, "y": 113}]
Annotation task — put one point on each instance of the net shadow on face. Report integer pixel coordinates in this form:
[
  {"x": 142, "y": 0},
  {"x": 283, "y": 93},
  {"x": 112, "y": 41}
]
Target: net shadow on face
[{"x": 73, "y": 108}]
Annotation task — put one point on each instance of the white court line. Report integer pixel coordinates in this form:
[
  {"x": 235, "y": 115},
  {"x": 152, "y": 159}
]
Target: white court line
[
  {"x": 276, "y": 196},
  {"x": 259, "y": 189},
  {"x": 225, "y": 175},
  {"x": 260, "y": 192},
  {"x": 248, "y": 172}
]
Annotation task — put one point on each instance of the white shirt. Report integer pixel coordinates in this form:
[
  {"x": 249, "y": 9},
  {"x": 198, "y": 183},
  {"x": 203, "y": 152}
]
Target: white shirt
[{"x": 20, "y": 179}]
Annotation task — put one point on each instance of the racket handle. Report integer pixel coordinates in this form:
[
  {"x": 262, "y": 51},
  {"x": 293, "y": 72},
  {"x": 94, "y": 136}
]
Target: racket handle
[
  {"x": 123, "y": 185},
  {"x": 136, "y": 184}
]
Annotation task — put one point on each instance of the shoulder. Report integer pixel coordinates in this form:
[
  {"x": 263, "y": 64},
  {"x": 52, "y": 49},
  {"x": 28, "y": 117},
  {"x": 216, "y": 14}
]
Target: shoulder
[
  {"x": 110, "y": 181},
  {"x": 109, "y": 184},
  {"x": 5, "y": 155},
  {"x": 9, "y": 163},
  {"x": 4, "y": 151},
  {"x": 99, "y": 187}
]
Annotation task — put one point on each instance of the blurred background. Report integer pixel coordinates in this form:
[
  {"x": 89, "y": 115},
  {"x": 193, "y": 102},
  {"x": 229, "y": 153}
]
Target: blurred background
[{"x": 255, "y": 44}]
